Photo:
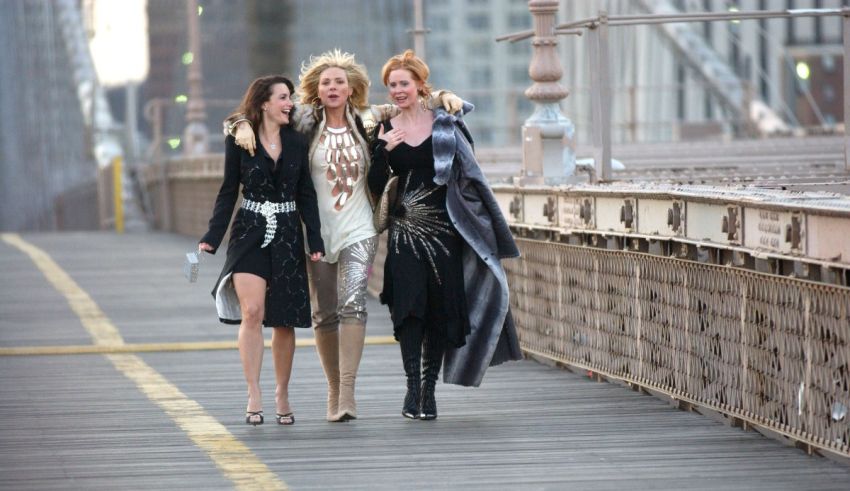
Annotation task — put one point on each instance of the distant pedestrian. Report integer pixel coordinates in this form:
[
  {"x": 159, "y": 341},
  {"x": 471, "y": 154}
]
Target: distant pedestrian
[
  {"x": 443, "y": 280},
  {"x": 264, "y": 279}
]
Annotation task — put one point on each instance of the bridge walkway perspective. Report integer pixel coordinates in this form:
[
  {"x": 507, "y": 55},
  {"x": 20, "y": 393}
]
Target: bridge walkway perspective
[{"x": 116, "y": 374}]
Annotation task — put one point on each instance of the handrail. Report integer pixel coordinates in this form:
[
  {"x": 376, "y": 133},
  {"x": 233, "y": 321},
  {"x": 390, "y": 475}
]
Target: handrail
[{"x": 626, "y": 20}]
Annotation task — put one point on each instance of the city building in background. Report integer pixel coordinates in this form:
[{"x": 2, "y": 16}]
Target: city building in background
[
  {"x": 226, "y": 67},
  {"x": 464, "y": 56},
  {"x": 246, "y": 39},
  {"x": 61, "y": 123},
  {"x": 659, "y": 91}
]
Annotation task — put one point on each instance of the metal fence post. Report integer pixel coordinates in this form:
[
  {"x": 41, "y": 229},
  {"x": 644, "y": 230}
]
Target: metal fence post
[
  {"x": 118, "y": 194},
  {"x": 845, "y": 15},
  {"x": 600, "y": 102},
  {"x": 418, "y": 30},
  {"x": 595, "y": 96}
]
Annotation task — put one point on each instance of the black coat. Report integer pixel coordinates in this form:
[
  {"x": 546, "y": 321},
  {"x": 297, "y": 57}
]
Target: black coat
[{"x": 287, "y": 295}]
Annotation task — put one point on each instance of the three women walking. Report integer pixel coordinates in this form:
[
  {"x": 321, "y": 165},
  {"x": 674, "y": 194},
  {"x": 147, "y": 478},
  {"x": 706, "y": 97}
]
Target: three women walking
[{"x": 445, "y": 239}]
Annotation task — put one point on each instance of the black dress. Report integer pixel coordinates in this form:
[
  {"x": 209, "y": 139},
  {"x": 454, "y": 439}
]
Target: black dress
[
  {"x": 423, "y": 271},
  {"x": 282, "y": 261}
]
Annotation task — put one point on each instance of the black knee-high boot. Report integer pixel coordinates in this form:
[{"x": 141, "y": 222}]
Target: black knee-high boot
[
  {"x": 410, "y": 340},
  {"x": 431, "y": 363}
]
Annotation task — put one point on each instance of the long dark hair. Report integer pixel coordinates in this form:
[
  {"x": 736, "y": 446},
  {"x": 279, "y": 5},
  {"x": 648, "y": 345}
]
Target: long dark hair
[{"x": 257, "y": 94}]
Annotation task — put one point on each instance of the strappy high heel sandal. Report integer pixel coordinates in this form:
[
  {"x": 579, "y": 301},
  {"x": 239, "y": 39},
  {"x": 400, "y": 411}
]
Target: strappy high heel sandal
[
  {"x": 285, "y": 419},
  {"x": 250, "y": 418}
]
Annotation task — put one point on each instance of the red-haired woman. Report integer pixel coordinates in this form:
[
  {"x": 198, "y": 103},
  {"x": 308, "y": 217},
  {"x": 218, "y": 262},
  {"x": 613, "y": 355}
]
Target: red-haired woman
[{"x": 443, "y": 280}]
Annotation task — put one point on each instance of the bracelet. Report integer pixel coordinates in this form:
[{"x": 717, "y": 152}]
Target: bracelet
[{"x": 232, "y": 125}]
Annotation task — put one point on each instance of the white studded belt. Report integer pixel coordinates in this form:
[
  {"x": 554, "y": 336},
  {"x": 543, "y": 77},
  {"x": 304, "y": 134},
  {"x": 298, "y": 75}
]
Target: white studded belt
[{"x": 269, "y": 211}]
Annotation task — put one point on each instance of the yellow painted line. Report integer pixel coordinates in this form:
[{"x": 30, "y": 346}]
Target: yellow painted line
[
  {"x": 379, "y": 340},
  {"x": 93, "y": 319},
  {"x": 91, "y": 349},
  {"x": 233, "y": 458},
  {"x": 236, "y": 461}
]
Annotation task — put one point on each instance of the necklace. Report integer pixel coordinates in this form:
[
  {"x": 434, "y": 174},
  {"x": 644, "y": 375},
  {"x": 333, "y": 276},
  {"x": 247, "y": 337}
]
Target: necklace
[
  {"x": 266, "y": 139},
  {"x": 343, "y": 163},
  {"x": 271, "y": 145}
]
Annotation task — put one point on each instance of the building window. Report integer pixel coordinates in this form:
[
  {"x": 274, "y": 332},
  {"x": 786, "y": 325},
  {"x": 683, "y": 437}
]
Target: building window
[
  {"x": 520, "y": 48},
  {"x": 439, "y": 22},
  {"x": 520, "y": 21},
  {"x": 519, "y": 75},
  {"x": 478, "y": 21},
  {"x": 481, "y": 76},
  {"x": 437, "y": 80},
  {"x": 828, "y": 93},
  {"x": 483, "y": 103},
  {"x": 440, "y": 49},
  {"x": 482, "y": 47},
  {"x": 524, "y": 106},
  {"x": 484, "y": 135},
  {"x": 828, "y": 63}
]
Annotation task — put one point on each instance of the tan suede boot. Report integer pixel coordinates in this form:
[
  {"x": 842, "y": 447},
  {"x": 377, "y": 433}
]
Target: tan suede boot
[
  {"x": 327, "y": 346},
  {"x": 351, "y": 338}
]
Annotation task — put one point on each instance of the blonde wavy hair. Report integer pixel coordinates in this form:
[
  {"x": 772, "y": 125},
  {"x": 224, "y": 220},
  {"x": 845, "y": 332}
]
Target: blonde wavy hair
[
  {"x": 311, "y": 72},
  {"x": 413, "y": 64}
]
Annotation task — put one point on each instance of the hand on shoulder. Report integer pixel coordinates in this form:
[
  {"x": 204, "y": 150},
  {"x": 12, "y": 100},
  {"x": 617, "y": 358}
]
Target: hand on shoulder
[{"x": 392, "y": 138}]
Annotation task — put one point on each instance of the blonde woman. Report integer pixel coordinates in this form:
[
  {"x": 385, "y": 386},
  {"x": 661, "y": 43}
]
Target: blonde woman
[{"x": 335, "y": 116}]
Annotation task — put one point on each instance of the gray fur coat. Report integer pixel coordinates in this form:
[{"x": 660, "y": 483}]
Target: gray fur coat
[{"x": 487, "y": 239}]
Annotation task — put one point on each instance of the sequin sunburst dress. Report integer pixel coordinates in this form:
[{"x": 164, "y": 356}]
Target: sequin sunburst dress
[{"x": 423, "y": 271}]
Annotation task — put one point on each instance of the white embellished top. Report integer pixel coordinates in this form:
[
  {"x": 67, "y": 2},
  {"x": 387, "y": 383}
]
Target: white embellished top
[{"x": 338, "y": 168}]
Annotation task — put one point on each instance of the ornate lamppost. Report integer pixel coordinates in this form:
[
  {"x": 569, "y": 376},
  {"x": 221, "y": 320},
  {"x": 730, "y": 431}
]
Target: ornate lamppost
[
  {"x": 195, "y": 136},
  {"x": 548, "y": 155}
]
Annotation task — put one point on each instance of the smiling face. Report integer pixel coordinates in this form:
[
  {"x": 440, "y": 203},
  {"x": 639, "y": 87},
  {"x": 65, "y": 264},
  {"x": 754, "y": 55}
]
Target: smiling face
[
  {"x": 333, "y": 87},
  {"x": 404, "y": 89},
  {"x": 276, "y": 110}
]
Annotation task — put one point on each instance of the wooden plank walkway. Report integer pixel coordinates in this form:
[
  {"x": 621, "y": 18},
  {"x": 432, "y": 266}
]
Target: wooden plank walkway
[{"x": 173, "y": 419}]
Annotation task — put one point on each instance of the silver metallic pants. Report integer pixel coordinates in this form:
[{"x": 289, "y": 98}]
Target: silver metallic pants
[{"x": 338, "y": 290}]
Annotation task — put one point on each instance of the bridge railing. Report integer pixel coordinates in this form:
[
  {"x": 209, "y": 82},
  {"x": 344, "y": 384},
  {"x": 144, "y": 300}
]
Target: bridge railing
[
  {"x": 732, "y": 301},
  {"x": 182, "y": 192}
]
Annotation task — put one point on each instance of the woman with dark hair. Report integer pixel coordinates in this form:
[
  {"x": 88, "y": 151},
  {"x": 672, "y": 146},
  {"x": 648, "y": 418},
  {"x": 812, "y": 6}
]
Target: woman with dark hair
[
  {"x": 443, "y": 280},
  {"x": 264, "y": 279}
]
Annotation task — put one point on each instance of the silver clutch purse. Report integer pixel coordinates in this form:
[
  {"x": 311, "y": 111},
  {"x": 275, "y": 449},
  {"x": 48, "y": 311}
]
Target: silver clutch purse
[
  {"x": 381, "y": 214},
  {"x": 191, "y": 266}
]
